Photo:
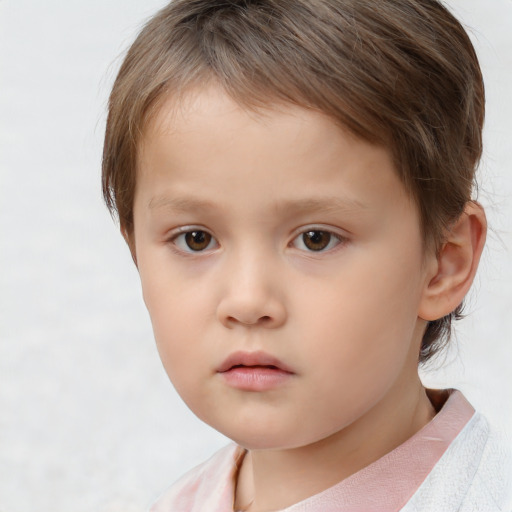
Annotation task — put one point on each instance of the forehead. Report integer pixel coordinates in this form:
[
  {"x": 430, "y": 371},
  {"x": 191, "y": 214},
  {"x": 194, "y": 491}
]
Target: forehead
[
  {"x": 204, "y": 115},
  {"x": 210, "y": 147},
  {"x": 211, "y": 107}
]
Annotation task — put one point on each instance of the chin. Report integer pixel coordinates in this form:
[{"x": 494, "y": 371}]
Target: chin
[
  {"x": 263, "y": 443},
  {"x": 266, "y": 439},
  {"x": 252, "y": 438}
]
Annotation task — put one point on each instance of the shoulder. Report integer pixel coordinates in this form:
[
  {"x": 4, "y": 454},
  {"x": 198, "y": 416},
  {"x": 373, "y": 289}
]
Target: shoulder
[
  {"x": 207, "y": 487},
  {"x": 492, "y": 482},
  {"x": 474, "y": 474}
]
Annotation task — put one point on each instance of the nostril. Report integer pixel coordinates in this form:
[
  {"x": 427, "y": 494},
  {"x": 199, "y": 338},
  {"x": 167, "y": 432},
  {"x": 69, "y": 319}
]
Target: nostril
[{"x": 266, "y": 319}]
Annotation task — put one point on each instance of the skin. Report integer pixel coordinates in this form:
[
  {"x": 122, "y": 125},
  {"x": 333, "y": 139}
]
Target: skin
[{"x": 347, "y": 320}]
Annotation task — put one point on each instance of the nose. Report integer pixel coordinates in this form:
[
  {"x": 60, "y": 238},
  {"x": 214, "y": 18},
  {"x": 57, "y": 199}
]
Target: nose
[{"x": 252, "y": 295}]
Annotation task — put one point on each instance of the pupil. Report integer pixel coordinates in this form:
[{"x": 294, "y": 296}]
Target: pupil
[
  {"x": 198, "y": 240},
  {"x": 316, "y": 240}
]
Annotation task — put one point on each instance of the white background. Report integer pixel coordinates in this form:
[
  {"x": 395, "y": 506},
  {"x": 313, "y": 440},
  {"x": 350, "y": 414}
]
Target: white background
[{"x": 88, "y": 420}]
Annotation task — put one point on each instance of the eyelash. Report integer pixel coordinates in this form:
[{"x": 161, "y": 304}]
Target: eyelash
[
  {"x": 182, "y": 245},
  {"x": 180, "y": 239},
  {"x": 329, "y": 246}
]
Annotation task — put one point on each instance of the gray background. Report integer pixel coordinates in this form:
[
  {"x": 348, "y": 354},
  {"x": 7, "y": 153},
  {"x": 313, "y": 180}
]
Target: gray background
[{"x": 88, "y": 420}]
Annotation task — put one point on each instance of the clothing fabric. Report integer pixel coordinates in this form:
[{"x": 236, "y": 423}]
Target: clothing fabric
[{"x": 454, "y": 463}]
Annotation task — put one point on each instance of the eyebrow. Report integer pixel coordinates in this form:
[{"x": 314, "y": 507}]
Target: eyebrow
[
  {"x": 323, "y": 204},
  {"x": 180, "y": 204}
]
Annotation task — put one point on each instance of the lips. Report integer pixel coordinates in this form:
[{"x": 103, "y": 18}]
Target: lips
[
  {"x": 254, "y": 360},
  {"x": 254, "y": 372}
]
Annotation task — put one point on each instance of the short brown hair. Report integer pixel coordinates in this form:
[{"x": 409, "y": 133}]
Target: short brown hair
[{"x": 397, "y": 72}]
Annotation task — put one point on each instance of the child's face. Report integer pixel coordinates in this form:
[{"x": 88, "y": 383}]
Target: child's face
[{"x": 283, "y": 235}]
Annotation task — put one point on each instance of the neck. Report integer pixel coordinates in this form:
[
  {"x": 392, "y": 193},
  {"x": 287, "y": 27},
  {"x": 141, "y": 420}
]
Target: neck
[{"x": 275, "y": 479}]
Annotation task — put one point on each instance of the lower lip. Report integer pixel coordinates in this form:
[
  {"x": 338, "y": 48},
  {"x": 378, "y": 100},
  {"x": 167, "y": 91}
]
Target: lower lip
[{"x": 256, "y": 378}]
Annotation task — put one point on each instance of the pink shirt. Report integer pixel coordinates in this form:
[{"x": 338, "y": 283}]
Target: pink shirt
[{"x": 385, "y": 485}]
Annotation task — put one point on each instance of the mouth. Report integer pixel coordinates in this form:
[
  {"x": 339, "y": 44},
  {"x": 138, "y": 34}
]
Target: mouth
[
  {"x": 254, "y": 371},
  {"x": 253, "y": 360}
]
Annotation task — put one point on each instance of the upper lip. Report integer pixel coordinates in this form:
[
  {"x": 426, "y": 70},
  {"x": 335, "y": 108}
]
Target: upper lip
[{"x": 252, "y": 359}]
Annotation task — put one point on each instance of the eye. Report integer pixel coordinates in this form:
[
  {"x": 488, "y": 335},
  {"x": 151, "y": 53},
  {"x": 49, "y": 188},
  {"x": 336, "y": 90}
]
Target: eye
[
  {"x": 195, "y": 240},
  {"x": 316, "y": 240}
]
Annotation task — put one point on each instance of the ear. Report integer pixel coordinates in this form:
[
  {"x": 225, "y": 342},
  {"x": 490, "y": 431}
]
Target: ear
[
  {"x": 129, "y": 238},
  {"x": 455, "y": 266}
]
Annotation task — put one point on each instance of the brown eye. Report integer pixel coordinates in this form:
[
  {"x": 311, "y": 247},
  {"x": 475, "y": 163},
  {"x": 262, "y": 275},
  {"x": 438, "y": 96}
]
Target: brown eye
[
  {"x": 197, "y": 240},
  {"x": 316, "y": 240}
]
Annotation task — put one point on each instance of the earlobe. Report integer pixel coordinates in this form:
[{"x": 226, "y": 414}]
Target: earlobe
[
  {"x": 456, "y": 264},
  {"x": 130, "y": 241}
]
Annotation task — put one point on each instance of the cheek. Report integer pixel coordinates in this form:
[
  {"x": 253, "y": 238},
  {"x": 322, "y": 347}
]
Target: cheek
[
  {"x": 179, "y": 344},
  {"x": 171, "y": 299},
  {"x": 367, "y": 294},
  {"x": 366, "y": 316},
  {"x": 177, "y": 314}
]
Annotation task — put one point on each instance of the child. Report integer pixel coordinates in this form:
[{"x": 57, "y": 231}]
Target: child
[{"x": 294, "y": 179}]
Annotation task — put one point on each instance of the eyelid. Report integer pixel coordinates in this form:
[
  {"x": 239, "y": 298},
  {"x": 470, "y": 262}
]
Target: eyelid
[
  {"x": 183, "y": 230},
  {"x": 336, "y": 233},
  {"x": 174, "y": 232}
]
